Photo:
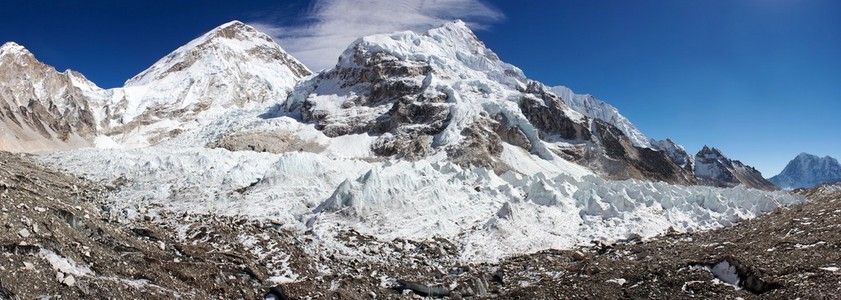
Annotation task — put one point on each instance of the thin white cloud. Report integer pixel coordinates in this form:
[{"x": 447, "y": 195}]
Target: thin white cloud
[{"x": 331, "y": 25}]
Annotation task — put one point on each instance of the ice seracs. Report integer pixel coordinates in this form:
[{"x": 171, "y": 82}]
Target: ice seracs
[
  {"x": 807, "y": 170},
  {"x": 489, "y": 216}
]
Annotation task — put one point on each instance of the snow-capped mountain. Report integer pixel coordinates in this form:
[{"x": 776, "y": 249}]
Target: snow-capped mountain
[
  {"x": 597, "y": 109},
  {"x": 676, "y": 152},
  {"x": 42, "y": 109},
  {"x": 716, "y": 169},
  {"x": 443, "y": 93},
  {"x": 409, "y": 95},
  {"x": 807, "y": 170},
  {"x": 233, "y": 65}
]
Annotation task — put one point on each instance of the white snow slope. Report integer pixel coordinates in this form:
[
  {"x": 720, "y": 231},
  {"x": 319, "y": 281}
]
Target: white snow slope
[{"x": 232, "y": 66}]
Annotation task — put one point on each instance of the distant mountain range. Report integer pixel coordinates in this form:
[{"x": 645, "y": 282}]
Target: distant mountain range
[{"x": 807, "y": 170}]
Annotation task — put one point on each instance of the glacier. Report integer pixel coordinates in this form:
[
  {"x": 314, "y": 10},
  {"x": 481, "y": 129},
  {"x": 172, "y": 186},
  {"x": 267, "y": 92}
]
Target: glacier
[{"x": 489, "y": 216}]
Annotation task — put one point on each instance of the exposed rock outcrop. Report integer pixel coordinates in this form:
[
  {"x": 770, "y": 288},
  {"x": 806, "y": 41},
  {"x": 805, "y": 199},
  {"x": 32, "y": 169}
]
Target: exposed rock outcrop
[{"x": 619, "y": 158}]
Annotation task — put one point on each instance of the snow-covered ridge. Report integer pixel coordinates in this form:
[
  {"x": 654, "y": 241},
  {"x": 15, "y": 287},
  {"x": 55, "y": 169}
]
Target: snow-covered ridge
[
  {"x": 440, "y": 92},
  {"x": 12, "y": 48},
  {"x": 598, "y": 109},
  {"x": 219, "y": 46},
  {"x": 592, "y": 107},
  {"x": 451, "y": 42},
  {"x": 42, "y": 109},
  {"x": 233, "y": 65}
]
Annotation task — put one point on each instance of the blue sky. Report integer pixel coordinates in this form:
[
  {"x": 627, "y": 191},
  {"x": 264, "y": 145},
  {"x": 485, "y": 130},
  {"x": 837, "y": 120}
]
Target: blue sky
[{"x": 759, "y": 79}]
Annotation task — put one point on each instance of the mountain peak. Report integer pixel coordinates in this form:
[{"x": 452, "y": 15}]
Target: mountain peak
[
  {"x": 230, "y": 40},
  {"x": 13, "y": 48},
  {"x": 717, "y": 169},
  {"x": 457, "y": 30},
  {"x": 233, "y": 23},
  {"x": 710, "y": 151},
  {"x": 233, "y": 64},
  {"x": 808, "y": 170},
  {"x": 805, "y": 156},
  {"x": 81, "y": 81},
  {"x": 457, "y": 24},
  {"x": 236, "y": 30}
]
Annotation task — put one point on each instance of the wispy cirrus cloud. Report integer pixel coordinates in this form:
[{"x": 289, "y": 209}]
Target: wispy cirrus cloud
[{"x": 331, "y": 25}]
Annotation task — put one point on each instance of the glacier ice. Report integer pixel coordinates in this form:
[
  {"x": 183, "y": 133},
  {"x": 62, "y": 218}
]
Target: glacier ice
[{"x": 491, "y": 216}]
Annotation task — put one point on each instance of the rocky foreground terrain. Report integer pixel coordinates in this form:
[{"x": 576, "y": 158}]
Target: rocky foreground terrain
[{"x": 60, "y": 239}]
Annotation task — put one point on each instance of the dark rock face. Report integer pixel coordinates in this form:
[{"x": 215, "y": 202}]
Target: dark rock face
[
  {"x": 481, "y": 147},
  {"x": 713, "y": 168},
  {"x": 405, "y": 146},
  {"x": 428, "y": 112},
  {"x": 615, "y": 155},
  {"x": 546, "y": 111},
  {"x": 511, "y": 134},
  {"x": 383, "y": 86}
]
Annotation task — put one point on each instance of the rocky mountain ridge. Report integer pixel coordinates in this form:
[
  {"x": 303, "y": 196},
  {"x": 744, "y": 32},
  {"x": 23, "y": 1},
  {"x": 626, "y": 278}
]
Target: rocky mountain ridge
[
  {"x": 42, "y": 109},
  {"x": 232, "y": 66},
  {"x": 716, "y": 169}
]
